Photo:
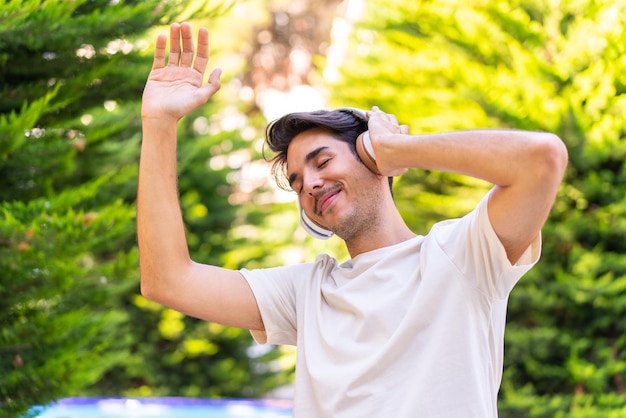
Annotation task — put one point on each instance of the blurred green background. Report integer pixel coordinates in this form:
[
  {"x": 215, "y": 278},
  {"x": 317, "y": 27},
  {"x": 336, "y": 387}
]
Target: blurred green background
[{"x": 72, "y": 321}]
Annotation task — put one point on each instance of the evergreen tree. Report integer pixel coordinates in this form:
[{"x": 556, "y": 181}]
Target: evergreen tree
[
  {"x": 72, "y": 321},
  {"x": 553, "y": 66}
]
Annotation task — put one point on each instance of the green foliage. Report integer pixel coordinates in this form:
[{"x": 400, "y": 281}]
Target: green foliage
[
  {"x": 71, "y": 73},
  {"x": 71, "y": 319},
  {"x": 60, "y": 328},
  {"x": 554, "y": 66}
]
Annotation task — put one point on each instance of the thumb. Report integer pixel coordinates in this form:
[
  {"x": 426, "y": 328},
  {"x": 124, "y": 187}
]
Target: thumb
[{"x": 214, "y": 83}]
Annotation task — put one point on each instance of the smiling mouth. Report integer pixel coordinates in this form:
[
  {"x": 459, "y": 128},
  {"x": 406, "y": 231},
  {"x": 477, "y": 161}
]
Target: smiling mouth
[{"x": 325, "y": 199}]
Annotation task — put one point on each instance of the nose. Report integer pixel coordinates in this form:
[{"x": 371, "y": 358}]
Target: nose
[{"x": 311, "y": 182}]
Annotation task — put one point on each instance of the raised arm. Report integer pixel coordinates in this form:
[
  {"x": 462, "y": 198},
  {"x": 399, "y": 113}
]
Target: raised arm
[
  {"x": 525, "y": 167},
  {"x": 168, "y": 275}
]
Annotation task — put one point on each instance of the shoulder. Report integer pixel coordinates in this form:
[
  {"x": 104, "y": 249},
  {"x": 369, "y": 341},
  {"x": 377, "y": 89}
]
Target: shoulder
[
  {"x": 474, "y": 223},
  {"x": 323, "y": 262}
]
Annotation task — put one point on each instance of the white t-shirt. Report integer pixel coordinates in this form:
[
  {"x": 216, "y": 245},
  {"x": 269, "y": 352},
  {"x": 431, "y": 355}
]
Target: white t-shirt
[{"x": 411, "y": 330}]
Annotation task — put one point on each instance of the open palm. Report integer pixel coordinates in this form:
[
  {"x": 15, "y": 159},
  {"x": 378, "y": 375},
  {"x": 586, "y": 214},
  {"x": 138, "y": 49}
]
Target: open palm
[{"x": 175, "y": 89}]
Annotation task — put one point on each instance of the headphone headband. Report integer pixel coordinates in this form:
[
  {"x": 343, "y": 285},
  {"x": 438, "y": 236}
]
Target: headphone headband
[{"x": 355, "y": 111}]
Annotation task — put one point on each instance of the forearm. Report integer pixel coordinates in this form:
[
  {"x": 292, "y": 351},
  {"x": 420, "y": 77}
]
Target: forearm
[
  {"x": 160, "y": 231},
  {"x": 501, "y": 157},
  {"x": 526, "y": 168}
]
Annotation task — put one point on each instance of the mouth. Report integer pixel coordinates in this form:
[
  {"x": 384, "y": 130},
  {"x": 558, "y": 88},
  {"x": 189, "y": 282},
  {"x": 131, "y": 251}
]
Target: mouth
[{"x": 325, "y": 199}]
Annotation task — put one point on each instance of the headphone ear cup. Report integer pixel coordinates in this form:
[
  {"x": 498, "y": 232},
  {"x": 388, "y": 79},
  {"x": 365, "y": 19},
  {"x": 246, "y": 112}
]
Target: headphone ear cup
[
  {"x": 312, "y": 228},
  {"x": 366, "y": 152}
]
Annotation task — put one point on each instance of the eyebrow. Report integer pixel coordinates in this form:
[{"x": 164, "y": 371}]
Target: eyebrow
[{"x": 311, "y": 155}]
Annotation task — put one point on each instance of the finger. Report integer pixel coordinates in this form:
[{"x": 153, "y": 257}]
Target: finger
[
  {"x": 388, "y": 117},
  {"x": 202, "y": 58},
  {"x": 392, "y": 118},
  {"x": 214, "y": 83},
  {"x": 379, "y": 114},
  {"x": 375, "y": 112},
  {"x": 174, "y": 44},
  {"x": 159, "y": 52},
  {"x": 187, "y": 56},
  {"x": 404, "y": 129}
]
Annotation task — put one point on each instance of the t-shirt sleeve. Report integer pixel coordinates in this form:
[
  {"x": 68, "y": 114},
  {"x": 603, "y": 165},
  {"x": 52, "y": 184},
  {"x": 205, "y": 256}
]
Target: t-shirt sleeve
[
  {"x": 275, "y": 290},
  {"x": 473, "y": 246}
]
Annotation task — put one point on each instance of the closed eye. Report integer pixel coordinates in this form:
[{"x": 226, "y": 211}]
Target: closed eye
[
  {"x": 294, "y": 179},
  {"x": 297, "y": 188}
]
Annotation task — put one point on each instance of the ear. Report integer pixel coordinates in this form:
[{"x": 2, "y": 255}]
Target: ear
[{"x": 312, "y": 228}]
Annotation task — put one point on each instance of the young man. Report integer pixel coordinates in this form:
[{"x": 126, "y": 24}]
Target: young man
[{"x": 410, "y": 326}]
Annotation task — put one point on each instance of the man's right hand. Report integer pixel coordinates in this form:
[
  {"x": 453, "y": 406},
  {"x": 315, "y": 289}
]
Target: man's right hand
[{"x": 175, "y": 89}]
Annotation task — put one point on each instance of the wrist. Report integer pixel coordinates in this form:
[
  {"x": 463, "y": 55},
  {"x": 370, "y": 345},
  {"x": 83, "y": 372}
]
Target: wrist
[
  {"x": 158, "y": 121},
  {"x": 159, "y": 127},
  {"x": 398, "y": 151},
  {"x": 148, "y": 116}
]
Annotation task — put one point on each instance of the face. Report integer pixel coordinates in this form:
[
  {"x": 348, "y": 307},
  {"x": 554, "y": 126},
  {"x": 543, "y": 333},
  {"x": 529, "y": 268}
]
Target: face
[{"x": 334, "y": 188}]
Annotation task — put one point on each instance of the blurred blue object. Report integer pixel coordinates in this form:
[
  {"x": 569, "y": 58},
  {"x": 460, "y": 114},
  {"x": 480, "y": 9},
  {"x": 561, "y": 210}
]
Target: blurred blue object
[{"x": 164, "y": 408}]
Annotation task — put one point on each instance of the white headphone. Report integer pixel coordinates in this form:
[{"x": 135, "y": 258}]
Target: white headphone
[{"x": 312, "y": 228}]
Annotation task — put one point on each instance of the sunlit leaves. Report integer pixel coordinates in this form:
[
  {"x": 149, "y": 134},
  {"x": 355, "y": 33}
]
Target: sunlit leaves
[{"x": 539, "y": 65}]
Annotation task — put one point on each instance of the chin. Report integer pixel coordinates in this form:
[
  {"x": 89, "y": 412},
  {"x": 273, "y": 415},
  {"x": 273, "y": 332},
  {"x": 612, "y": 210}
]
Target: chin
[{"x": 345, "y": 234}]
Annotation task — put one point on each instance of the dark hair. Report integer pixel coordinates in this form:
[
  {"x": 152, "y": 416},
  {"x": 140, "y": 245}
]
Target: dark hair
[{"x": 342, "y": 124}]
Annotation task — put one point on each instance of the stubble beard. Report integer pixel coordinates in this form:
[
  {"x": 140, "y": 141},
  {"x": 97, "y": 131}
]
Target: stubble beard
[{"x": 361, "y": 219}]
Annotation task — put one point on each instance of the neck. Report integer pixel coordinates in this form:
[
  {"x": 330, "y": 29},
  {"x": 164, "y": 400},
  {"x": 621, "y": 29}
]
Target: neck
[{"x": 383, "y": 234}]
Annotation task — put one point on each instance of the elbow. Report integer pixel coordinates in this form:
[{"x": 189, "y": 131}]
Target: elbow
[
  {"x": 147, "y": 287},
  {"x": 551, "y": 156},
  {"x": 160, "y": 284},
  {"x": 153, "y": 285},
  {"x": 155, "y": 291}
]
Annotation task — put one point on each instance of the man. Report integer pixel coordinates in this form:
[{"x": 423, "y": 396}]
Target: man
[{"x": 411, "y": 325}]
